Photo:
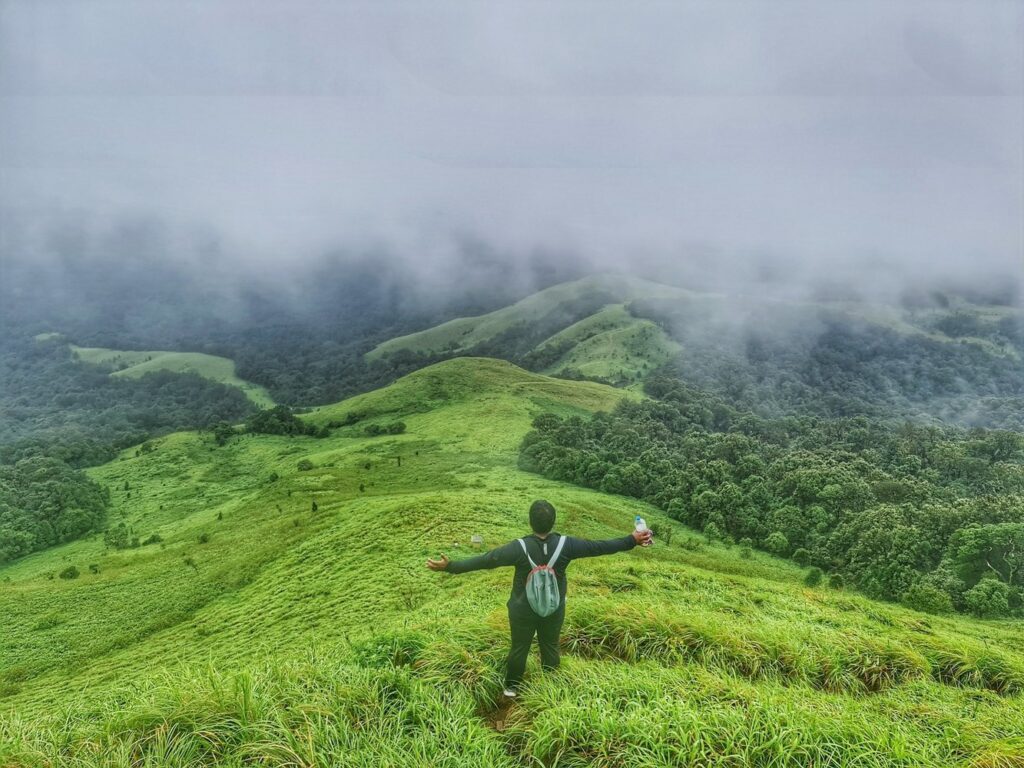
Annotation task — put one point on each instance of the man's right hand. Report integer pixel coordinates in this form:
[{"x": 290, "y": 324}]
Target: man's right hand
[
  {"x": 438, "y": 565},
  {"x": 643, "y": 538}
]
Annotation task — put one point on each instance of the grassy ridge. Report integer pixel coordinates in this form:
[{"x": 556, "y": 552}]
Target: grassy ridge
[
  {"x": 463, "y": 333},
  {"x": 134, "y": 363},
  {"x": 260, "y": 645},
  {"x": 611, "y": 344}
]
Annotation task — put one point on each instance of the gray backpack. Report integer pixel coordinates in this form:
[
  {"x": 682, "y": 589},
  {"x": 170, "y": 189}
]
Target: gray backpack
[{"x": 542, "y": 583}]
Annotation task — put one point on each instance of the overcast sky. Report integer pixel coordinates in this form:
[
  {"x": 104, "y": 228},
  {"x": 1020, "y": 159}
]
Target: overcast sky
[{"x": 830, "y": 129}]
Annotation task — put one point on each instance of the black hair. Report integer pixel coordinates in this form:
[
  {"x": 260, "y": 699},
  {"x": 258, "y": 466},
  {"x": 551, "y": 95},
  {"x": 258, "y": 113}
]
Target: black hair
[{"x": 542, "y": 516}]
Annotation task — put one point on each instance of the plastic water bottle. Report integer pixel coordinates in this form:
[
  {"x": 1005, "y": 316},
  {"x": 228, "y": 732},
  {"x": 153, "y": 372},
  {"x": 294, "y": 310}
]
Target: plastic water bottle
[{"x": 641, "y": 525}]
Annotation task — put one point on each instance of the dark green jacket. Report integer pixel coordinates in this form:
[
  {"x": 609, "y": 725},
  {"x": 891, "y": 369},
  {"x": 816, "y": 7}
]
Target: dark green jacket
[{"x": 540, "y": 550}]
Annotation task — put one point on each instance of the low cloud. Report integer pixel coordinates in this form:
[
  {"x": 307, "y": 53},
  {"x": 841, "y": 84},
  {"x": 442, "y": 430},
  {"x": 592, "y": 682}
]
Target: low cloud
[{"x": 807, "y": 140}]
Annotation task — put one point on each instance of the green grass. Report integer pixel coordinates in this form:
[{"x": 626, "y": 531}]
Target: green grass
[
  {"x": 265, "y": 646},
  {"x": 133, "y": 364},
  {"x": 463, "y": 333},
  {"x": 612, "y": 344}
]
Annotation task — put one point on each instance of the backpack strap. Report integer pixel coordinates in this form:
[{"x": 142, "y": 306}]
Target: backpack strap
[
  {"x": 523, "y": 545},
  {"x": 558, "y": 551}
]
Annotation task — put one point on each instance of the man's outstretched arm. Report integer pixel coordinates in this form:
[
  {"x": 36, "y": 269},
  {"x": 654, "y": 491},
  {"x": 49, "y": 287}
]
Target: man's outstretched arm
[
  {"x": 496, "y": 558},
  {"x": 585, "y": 548}
]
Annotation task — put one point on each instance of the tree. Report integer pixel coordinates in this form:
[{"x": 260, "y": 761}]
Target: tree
[
  {"x": 988, "y": 599},
  {"x": 995, "y": 550},
  {"x": 777, "y": 543},
  {"x": 712, "y": 531},
  {"x": 802, "y": 557},
  {"x": 222, "y": 432},
  {"x": 999, "y": 445},
  {"x": 279, "y": 420},
  {"x": 44, "y": 502}
]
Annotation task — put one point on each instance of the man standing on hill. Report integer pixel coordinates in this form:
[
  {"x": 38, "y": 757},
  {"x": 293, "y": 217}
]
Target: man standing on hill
[{"x": 540, "y": 548}]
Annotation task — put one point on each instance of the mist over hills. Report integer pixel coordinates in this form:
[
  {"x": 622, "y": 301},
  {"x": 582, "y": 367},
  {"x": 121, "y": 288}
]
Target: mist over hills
[
  {"x": 931, "y": 354},
  {"x": 295, "y": 296}
]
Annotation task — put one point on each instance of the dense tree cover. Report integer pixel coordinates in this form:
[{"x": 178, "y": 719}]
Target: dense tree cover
[
  {"x": 783, "y": 360},
  {"x": 55, "y": 406},
  {"x": 280, "y": 420},
  {"x": 44, "y": 502},
  {"x": 925, "y": 514}
]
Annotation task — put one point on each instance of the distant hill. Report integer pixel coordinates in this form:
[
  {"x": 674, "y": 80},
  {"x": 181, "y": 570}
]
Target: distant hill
[
  {"x": 277, "y": 611},
  {"x": 135, "y": 363},
  {"x": 942, "y": 357},
  {"x": 581, "y": 326}
]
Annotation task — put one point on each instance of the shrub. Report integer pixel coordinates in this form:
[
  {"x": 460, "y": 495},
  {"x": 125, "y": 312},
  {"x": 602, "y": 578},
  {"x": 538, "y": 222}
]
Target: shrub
[
  {"x": 398, "y": 649},
  {"x": 204, "y": 537},
  {"x": 156, "y": 538},
  {"x": 988, "y": 599},
  {"x": 94, "y": 568},
  {"x": 273, "y": 477},
  {"x": 375, "y": 430},
  {"x": 746, "y": 553},
  {"x": 305, "y": 465},
  {"x": 814, "y": 577},
  {"x": 48, "y": 621},
  {"x": 118, "y": 537},
  {"x": 927, "y": 598},
  {"x": 662, "y": 532},
  {"x": 746, "y": 541},
  {"x": 777, "y": 543},
  {"x": 802, "y": 557},
  {"x": 71, "y": 572},
  {"x": 836, "y": 581}
]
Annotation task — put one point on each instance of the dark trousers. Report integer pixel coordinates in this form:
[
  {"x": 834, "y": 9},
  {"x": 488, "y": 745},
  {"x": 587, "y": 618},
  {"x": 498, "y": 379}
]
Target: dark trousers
[{"x": 523, "y": 626}]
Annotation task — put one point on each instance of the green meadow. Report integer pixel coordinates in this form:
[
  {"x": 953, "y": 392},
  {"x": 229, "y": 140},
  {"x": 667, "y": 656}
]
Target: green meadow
[
  {"x": 135, "y": 363},
  {"x": 284, "y": 617}
]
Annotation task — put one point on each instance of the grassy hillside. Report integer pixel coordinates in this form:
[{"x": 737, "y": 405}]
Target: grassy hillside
[
  {"x": 260, "y": 630},
  {"x": 779, "y": 353},
  {"x": 132, "y": 364},
  {"x": 610, "y": 344},
  {"x": 464, "y": 333}
]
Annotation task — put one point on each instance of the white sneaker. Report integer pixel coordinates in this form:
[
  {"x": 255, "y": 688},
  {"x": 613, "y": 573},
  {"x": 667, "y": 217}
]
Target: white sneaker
[{"x": 508, "y": 693}]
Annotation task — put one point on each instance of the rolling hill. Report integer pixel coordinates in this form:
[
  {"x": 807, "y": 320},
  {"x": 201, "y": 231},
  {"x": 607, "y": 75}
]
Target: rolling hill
[
  {"x": 777, "y": 356},
  {"x": 282, "y": 616},
  {"x": 580, "y": 326}
]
